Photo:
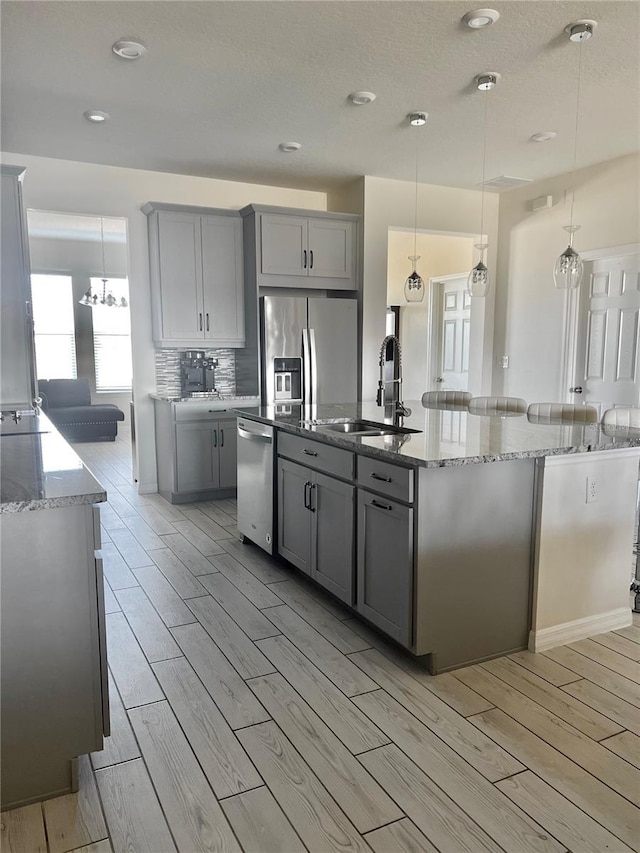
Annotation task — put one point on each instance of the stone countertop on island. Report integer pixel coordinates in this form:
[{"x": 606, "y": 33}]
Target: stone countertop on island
[
  {"x": 206, "y": 398},
  {"x": 42, "y": 471},
  {"x": 446, "y": 437}
]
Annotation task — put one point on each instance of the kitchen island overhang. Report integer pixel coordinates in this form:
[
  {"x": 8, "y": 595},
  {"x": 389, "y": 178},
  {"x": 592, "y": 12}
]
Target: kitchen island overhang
[{"x": 481, "y": 555}]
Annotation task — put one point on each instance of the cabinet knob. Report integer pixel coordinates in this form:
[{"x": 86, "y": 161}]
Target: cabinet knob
[{"x": 576, "y": 390}]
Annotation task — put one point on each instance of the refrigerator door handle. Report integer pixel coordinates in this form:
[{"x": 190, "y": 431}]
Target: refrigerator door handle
[
  {"x": 306, "y": 365},
  {"x": 314, "y": 366}
]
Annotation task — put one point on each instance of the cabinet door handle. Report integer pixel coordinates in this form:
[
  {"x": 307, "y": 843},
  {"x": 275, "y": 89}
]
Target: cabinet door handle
[
  {"x": 306, "y": 500},
  {"x": 304, "y": 262},
  {"x": 309, "y": 452},
  {"x": 221, "y": 438},
  {"x": 381, "y": 506},
  {"x": 375, "y": 476},
  {"x": 215, "y": 438},
  {"x": 312, "y": 488},
  {"x": 207, "y": 321},
  {"x": 311, "y": 259},
  {"x": 200, "y": 321}
]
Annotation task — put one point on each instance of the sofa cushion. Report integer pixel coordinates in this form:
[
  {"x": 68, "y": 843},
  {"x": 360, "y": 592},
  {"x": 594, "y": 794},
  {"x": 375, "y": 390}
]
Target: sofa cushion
[
  {"x": 106, "y": 413},
  {"x": 65, "y": 392}
]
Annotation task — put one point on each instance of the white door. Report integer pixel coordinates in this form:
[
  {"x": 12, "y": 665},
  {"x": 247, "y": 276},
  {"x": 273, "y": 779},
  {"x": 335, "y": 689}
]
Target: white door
[
  {"x": 454, "y": 321},
  {"x": 607, "y": 363}
]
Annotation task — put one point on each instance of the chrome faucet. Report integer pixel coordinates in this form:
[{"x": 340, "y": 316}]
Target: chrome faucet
[{"x": 390, "y": 382}]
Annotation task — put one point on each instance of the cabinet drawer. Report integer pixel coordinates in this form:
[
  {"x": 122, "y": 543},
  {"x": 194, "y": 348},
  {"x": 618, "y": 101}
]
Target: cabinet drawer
[
  {"x": 201, "y": 411},
  {"x": 331, "y": 460},
  {"x": 386, "y": 478}
]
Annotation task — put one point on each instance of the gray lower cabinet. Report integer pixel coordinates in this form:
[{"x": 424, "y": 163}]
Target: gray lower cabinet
[
  {"x": 53, "y": 690},
  {"x": 385, "y": 565},
  {"x": 196, "y": 451},
  {"x": 315, "y": 526}
]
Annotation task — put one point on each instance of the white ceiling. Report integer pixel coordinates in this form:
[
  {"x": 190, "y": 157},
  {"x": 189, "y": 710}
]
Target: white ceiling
[{"x": 223, "y": 83}]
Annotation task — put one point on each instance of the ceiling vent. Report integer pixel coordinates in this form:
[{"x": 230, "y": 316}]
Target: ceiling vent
[{"x": 505, "y": 182}]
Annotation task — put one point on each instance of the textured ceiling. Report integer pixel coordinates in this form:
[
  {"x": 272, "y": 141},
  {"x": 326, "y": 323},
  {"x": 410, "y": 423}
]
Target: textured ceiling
[{"x": 223, "y": 83}]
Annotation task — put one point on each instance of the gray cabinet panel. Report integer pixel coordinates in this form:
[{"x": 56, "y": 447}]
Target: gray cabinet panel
[
  {"x": 222, "y": 280},
  {"x": 180, "y": 276},
  {"x": 228, "y": 453},
  {"x": 284, "y": 245},
  {"x": 294, "y": 519},
  {"x": 17, "y": 382},
  {"x": 331, "y": 248},
  {"x": 332, "y": 536},
  {"x": 197, "y": 456},
  {"x": 385, "y": 565}
]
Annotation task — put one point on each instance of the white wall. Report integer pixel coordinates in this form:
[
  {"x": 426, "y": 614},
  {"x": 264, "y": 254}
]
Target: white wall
[
  {"x": 389, "y": 204},
  {"x": 439, "y": 255},
  {"x": 72, "y": 187},
  {"x": 529, "y": 310}
]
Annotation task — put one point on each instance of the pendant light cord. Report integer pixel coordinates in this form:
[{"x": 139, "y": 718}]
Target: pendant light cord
[
  {"x": 575, "y": 144},
  {"x": 484, "y": 166},
  {"x": 415, "y": 212}
]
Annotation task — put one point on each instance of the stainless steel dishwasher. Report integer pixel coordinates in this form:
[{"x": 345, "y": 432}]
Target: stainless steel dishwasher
[{"x": 255, "y": 482}]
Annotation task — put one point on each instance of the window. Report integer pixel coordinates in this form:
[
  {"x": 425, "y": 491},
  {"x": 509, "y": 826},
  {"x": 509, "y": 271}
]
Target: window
[
  {"x": 112, "y": 339},
  {"x": 55, "y": 343}
]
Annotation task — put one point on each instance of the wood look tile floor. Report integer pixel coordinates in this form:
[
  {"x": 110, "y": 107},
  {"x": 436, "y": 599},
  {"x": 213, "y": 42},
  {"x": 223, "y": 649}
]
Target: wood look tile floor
[{"x": 251, "y": 712}]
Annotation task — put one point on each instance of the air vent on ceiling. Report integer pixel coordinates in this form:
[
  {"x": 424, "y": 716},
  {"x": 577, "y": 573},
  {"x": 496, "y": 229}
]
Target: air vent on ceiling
[{"x": 505, "y": 182}]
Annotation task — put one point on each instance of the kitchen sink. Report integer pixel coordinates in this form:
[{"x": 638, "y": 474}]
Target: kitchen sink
[{"x": 355, "y": 426}]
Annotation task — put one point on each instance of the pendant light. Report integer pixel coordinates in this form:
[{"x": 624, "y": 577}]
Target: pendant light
[
  {"x": 479, "y": 280},
  {"x": 108, "y": 300},
  {"x": 414, "y": 285},
  {"x": 568, "y": 269}
]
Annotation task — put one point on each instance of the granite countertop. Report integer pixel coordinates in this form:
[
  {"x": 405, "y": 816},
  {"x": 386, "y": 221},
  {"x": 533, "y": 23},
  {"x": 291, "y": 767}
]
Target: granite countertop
[
  {"x": 210, "y": 398},
  {"x": 42, "y": 471},
  {"x": 447, "y": 437}
]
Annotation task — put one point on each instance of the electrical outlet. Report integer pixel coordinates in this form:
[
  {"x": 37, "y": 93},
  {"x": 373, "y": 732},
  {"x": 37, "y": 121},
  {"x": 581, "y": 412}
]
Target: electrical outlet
[
  {"x": 593, "y": 489},
  {"x": 502, "y": 361}
]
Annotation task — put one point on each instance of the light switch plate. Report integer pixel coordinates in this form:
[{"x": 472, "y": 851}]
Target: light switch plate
[
  {"x": 502, "y": 361},
  {"x": 593, "y": 488}
]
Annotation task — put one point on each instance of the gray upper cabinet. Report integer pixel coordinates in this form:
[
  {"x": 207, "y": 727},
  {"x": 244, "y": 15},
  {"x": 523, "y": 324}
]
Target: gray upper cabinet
[
  {"x": 297, "y": 248},
  {"x": 196, "y": 268},
  {"x": 17, "y": 380}
]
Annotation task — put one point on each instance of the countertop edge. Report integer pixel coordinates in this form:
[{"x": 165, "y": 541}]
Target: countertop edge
[{"x": 53, "y": 503}]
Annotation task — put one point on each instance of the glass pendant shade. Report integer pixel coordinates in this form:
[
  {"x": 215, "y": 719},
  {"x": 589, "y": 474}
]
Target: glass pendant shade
[
  {"x": 414, "y": 285},
  {"x": 568, "y": 270},
  {"x": 478, "y": 281}
]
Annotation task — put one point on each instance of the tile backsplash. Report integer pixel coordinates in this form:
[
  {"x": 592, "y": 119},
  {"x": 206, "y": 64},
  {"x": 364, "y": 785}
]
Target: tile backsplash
[{"x": 168, "y": 371}]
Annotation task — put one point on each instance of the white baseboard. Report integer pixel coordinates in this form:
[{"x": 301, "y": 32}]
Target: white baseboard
[
  {"x": 579, "y": 629},
  {"x": 147, "y": 488}
]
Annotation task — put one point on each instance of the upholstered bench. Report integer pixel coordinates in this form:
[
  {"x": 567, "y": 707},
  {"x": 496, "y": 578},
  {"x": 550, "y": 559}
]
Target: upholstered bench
[{"x": 67, "y": 403}]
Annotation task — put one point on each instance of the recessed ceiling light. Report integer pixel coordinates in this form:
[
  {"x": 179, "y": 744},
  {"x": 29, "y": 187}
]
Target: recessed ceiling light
[
  {"x": 361, "y": 98},
  {"x": 581, "y": 30},
  {"x": 289, "y": 147},
  {"x": 544, "y": 136},
  {"x": 487, "y": 80},
  {"x": 480, "y": 18},
  {"x": 128, "y": 49},
  {"x": 96, "y": 116},
  {"x": 418, "y": 119}
]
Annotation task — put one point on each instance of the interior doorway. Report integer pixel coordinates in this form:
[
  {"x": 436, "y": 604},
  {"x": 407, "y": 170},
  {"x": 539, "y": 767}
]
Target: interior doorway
[
  {"x": 602, "y": 331},
  {"x": 450, "y": 334}
]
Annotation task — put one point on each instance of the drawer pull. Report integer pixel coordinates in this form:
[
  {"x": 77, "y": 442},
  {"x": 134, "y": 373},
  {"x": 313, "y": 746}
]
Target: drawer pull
[
  {"x": 381, "y": 506},
  {"x": 309, "y": 452},
  {"x": 375, "y": 476}
]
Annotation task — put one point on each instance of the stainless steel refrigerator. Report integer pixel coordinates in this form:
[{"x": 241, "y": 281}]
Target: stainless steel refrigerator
[{"x": 309, "y": 350}]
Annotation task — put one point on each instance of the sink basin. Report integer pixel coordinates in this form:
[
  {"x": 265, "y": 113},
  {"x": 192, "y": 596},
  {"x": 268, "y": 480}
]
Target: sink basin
[{"x": 354, "y": 426}]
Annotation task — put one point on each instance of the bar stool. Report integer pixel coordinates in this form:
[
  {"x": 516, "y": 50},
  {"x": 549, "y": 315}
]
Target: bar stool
[
  {"x": 446, "y": 399},
  {"x": 504, "y": 406},
  {"x": 561, "y": 413}
]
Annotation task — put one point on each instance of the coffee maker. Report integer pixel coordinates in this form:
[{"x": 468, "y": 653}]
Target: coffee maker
[{"x": 197, "y": 373}]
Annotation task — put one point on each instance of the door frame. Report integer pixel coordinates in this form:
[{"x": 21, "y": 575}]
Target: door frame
[
  {"x": 572, "y": 316},
  {"x": 434, "y": 325}
]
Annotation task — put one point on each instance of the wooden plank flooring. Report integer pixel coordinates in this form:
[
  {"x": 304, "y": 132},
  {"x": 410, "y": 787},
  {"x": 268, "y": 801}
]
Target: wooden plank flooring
[{"x": 251, "y": 712}]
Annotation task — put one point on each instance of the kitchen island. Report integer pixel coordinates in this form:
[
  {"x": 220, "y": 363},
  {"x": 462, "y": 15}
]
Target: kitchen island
[
  {"x": 469, "y": 537},
  {"x": 54, "y": 698}
]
